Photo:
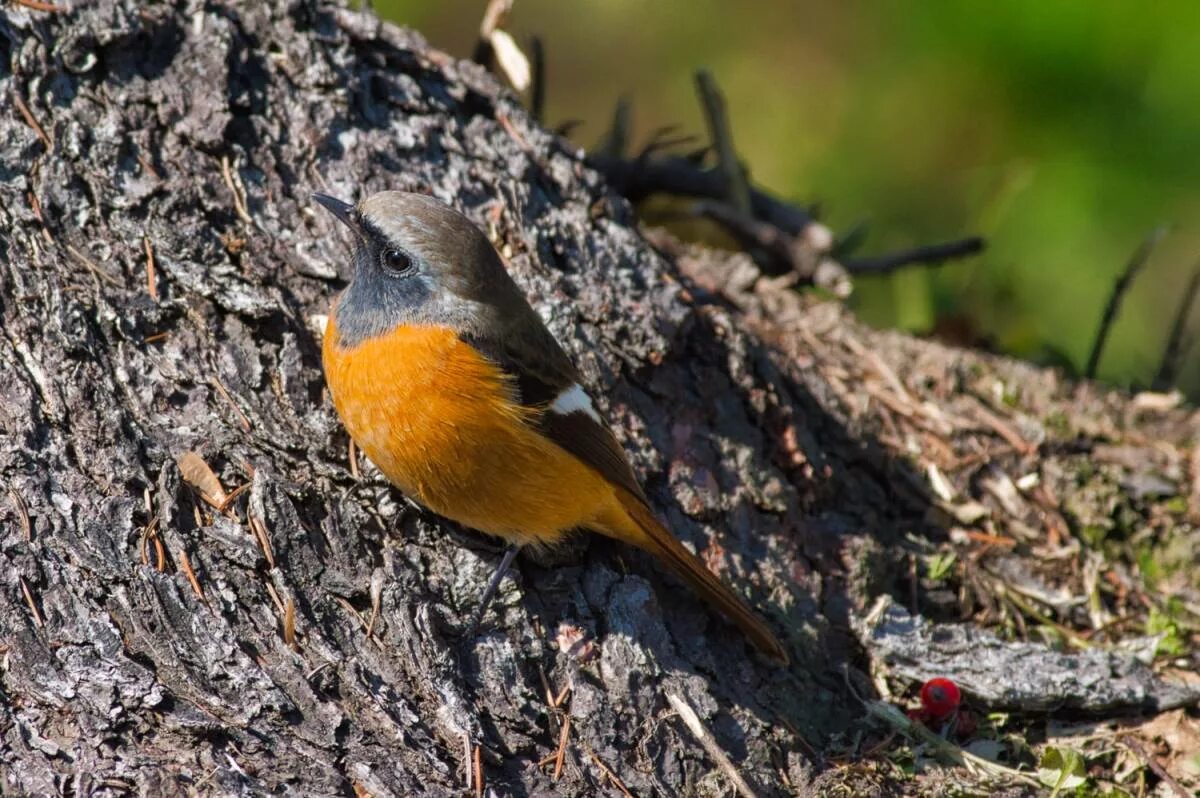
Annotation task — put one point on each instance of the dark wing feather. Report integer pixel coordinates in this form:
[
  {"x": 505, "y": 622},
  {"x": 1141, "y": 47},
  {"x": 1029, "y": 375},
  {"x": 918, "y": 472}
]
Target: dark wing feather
[
  {"x": 595, "y": 445},
  {"x": 541, "y": 371}
]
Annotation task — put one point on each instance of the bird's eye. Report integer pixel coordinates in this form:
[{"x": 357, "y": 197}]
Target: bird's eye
[{"x": 395, "y": 260}]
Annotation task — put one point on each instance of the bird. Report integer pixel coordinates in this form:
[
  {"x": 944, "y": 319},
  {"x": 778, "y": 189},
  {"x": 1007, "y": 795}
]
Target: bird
[{"x": 449, "y": 382}]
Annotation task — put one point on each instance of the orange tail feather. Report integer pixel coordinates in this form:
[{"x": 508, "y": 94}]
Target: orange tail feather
[{"x": 642, "y": 529}]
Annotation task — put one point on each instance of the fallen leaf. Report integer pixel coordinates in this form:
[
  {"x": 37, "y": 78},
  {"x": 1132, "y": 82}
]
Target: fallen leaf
[
  {"x": 199, "y": 476},
  {"x": 511, "y": 60}
]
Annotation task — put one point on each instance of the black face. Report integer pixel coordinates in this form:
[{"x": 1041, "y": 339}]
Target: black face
[
  {"x": 389, "y": 285},
  {"x": 418, "y": 261}
]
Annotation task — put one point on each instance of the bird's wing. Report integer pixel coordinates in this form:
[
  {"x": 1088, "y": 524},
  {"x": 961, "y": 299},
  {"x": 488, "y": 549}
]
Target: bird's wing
[{"x": 545, "y": 379}]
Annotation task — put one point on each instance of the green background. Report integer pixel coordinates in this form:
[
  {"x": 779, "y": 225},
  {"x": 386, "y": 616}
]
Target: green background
[{"x": 1062, "y": 130}]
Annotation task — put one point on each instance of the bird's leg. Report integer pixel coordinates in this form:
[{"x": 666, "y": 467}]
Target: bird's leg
[{"x": 506, "y": 562}]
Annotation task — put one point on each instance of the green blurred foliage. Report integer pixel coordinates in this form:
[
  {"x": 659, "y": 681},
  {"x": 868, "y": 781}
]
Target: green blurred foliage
[{"x": 1062, "y": 130}]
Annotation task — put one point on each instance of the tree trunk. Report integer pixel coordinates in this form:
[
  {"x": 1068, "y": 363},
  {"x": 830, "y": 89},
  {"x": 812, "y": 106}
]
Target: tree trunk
[{"x": 287, "y": 623}]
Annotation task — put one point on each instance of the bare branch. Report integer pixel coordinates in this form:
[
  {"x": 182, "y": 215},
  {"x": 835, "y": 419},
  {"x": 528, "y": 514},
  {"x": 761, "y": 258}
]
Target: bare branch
[
  {"x": 1178, "y": 342},
  {"x": 929, "y": 255},
  {"x": 537, "y": 99},
  {"x": 737, "y": 187},
  {"x": 1120, "y": 287},
  {"x": 637, "y": 178}
]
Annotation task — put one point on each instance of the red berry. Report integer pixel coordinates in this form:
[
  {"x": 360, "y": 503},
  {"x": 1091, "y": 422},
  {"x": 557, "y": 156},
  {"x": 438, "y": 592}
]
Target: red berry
[{"x": 940, "y": 698}]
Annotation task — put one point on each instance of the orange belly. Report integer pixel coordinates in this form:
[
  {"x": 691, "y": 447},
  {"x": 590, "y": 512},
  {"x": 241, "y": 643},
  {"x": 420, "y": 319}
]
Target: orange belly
[{"x": 439, "y": 421}]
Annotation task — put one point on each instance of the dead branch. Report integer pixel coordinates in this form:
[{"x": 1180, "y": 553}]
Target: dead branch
[
  {"x": 1124, "y": 280},
  {"x": 1178, "y": 341},
  {"x": 929, "y": 255}
]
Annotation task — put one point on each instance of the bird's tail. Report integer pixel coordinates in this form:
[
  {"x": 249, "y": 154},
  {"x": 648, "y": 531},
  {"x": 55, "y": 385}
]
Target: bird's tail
[{"x": 637, "y": 525}]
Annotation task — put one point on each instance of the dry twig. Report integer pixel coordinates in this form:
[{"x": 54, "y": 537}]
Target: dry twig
[
  {"x": 22, "y": 514},
  {"x": 289, "y": 623},
  {"x": 929, "y": 255},
  {"x": 239, "y": 199},
  {"x": 31, "y": 120},
  {"x": 243, "y": 419},
  {"x": 696, "y": 727},
  {"x": 478, "y": 771},
  {"x": 185, "y": 564},
  {"x": 640, "y": 177},
  {"x": 1151, "y": 762},
  {"x": 794, "y": 255},
  {"x": 560, "y": 755},
  {"x": 1117, "y": 295},
  {"x": 737, "y": 187},
  {"x": 616, "y": 781},
  {"x": 259, "y": 528},
  {"x": 616, "y": 140},
  {"x": 87, "y": 263},
  {"x": 38, "y": 5},
  {"x": 150, "y": 535},
  {"x": 1177, "y": 343},
  {"x": 33, "y": 608},
  {"x": 274, "y": 594},
  {"x": 151, "y": 277},
  {"x": 537, "y": 96}
]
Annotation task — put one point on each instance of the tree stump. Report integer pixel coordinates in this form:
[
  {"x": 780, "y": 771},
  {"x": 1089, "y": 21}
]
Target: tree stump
[{"x": 206, "y": 592}]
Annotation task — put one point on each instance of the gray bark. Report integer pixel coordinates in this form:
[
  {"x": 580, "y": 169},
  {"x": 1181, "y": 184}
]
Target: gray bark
[{"x": 126, "y": 678}]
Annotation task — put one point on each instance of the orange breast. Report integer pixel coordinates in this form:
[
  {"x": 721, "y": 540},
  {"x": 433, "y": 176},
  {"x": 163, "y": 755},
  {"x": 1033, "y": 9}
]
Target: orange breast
[{"x": 440, "y": 422}]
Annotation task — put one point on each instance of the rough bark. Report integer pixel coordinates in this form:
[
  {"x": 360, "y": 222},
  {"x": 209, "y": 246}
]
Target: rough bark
[{"x": 163, "y": 274}]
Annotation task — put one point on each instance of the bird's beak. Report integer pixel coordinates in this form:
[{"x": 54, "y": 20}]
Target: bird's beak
[{"x": 344, "y": 211}]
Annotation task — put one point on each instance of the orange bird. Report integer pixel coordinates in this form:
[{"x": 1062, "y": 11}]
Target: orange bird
[{"x": 449, "y": 382}]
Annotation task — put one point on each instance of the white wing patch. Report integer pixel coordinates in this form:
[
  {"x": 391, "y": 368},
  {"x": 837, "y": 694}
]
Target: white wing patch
[{"x": 575, "y": 400}]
